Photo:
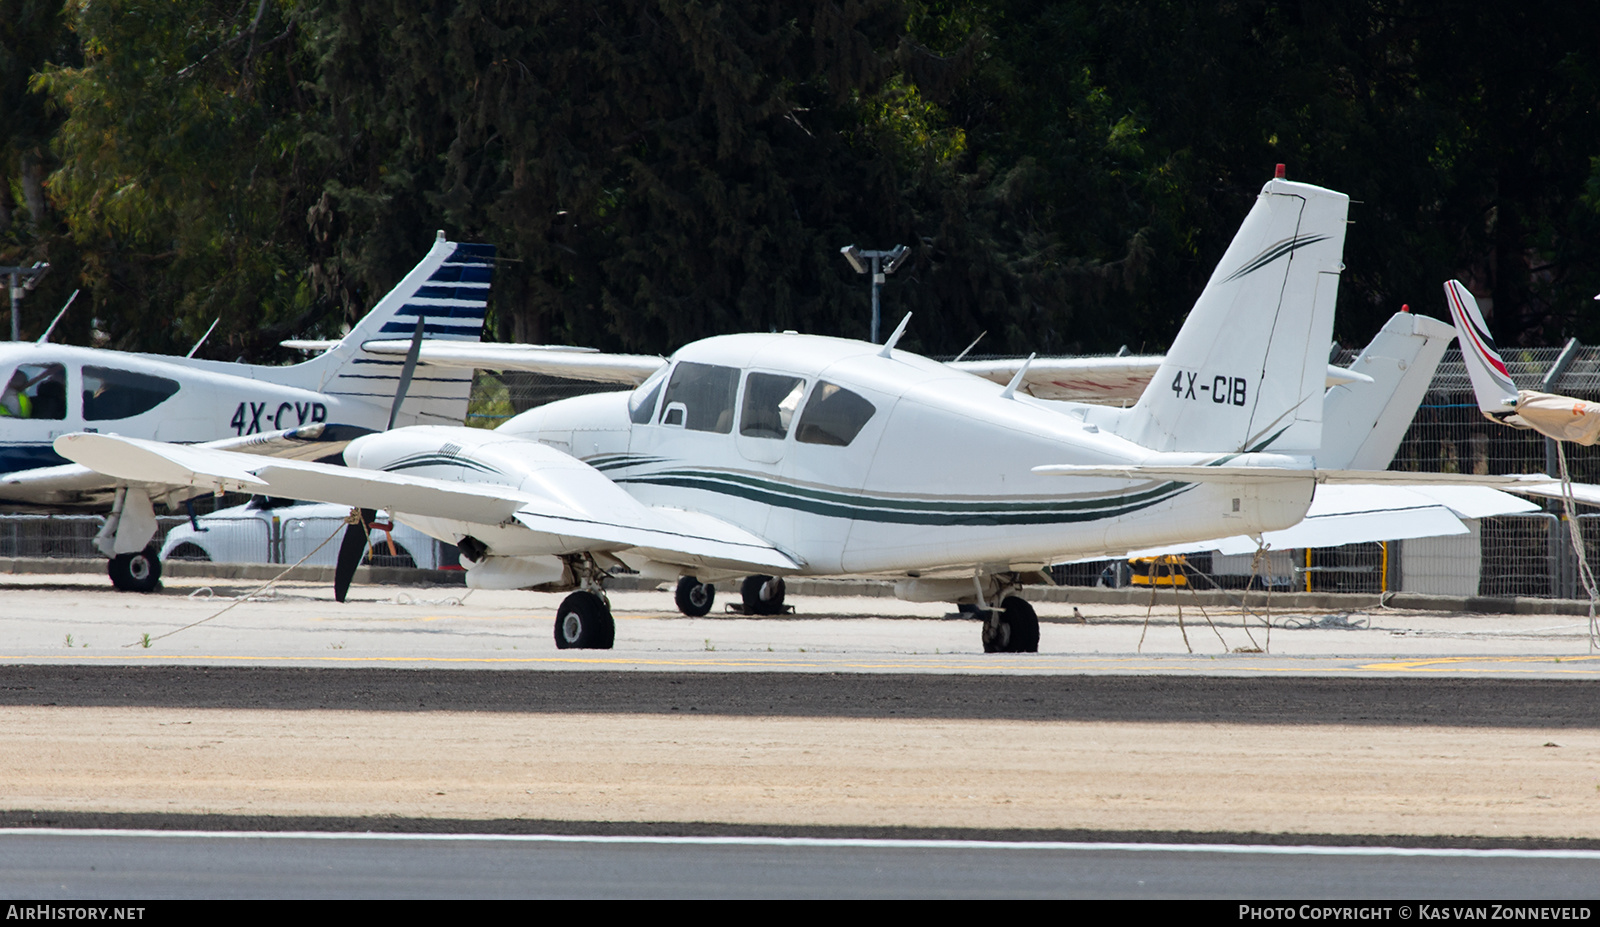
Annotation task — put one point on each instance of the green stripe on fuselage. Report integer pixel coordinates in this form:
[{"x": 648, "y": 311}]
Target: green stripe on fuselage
[{"x": 931, "y": 512}]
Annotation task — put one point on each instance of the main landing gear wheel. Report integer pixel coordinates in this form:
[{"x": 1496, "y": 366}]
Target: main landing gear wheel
[
  {"x": 135, "y": 572},
  {"x": 584, "y": 622},
  {"x": 1017, "y": 631},
  {"x": 694, "y": 597},
  {"x": 763, "y": 595}
]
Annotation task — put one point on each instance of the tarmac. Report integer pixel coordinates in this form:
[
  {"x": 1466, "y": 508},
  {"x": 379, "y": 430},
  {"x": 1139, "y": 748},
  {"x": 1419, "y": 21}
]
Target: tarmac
[
  {"x": 417, "y": 707},
  {"x": 836, "y": 627}
]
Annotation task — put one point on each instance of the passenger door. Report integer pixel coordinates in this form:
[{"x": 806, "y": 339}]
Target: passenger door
[{"x": 766, "y": 414}]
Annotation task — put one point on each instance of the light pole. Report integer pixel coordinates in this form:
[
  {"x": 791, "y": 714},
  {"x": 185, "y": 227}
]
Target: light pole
[
  {"x": 22, "y": 280},
  {"x": 882, "y": 264}
]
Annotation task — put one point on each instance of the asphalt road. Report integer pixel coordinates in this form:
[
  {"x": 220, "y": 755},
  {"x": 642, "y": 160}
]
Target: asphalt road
[
  {"x": 1403, "y": 701},
  {"x": 86, "y": 865}
]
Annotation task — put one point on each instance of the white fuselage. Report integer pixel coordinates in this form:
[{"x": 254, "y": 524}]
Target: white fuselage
[
  {"x": 938, "y": 478},
  {"x": 174, "y": 399}
]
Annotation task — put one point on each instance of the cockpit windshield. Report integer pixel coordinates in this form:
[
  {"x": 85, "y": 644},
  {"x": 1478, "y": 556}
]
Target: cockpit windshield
[
  {"x": 700, "y": 397},
  {"x": 642, "y": 404}
]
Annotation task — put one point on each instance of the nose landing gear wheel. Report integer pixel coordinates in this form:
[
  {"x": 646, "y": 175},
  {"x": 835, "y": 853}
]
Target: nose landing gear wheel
[
  {"x": 694, "y": 597},
  {"x": 1017, "y": 631},
  {"x": 762, "y": 595},
  {"x": 135, "y": 572},
  {"x": 584, "y": 622}
]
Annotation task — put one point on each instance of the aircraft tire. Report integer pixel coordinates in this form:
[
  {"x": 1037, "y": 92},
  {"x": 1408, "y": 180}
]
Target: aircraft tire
[
  {"x": 695, "y": 598},
  {"x": 1024, "y": 624},
  {"x": 1017, "y": 632},
  {"x": 135, "y": 572},
  {"x": 750, "y": 592},
  {"x": 583, "y": 622}
]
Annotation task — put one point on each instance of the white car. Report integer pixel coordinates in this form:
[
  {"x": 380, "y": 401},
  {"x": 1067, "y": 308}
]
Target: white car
[{"x": 272, "y": 530}]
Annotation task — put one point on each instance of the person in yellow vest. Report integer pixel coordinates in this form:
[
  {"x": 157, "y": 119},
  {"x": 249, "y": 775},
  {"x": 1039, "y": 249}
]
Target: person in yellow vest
[{"x": 14, "y": 402}]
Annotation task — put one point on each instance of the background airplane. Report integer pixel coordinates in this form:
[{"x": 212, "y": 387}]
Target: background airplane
[
  {"x": 51, "y": 390},
  {"x": 760, "y": 456},
  {"x": 1564, "y": 418}
]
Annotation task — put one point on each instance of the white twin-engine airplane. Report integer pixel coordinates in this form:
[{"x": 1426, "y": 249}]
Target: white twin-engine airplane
[
  {"x": 51, "y": 390},
  {"x": 770, "y": 455}
]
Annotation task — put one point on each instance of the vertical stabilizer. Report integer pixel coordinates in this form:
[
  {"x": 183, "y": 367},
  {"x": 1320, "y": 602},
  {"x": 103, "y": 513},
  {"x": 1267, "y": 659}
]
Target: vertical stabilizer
[
  {"x": 1491, "y": 382},
  {"x": 1247, "y": 369},
  {"x": 449, "y": 291},
  {"x": 1364, "y": 423}
]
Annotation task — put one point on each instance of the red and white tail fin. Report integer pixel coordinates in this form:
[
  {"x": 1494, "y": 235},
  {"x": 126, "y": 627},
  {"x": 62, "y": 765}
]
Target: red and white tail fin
[{"x": 1497, "y": 395}]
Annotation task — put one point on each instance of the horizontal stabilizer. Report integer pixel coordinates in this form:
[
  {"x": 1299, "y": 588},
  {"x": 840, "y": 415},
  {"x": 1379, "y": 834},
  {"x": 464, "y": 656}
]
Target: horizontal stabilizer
[
  {"x": 1225, "y": 474},
  {"x": 1361, "y": 514}
]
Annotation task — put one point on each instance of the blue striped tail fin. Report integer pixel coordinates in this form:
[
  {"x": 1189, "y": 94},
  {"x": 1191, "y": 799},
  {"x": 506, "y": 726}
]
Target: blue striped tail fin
[{"x": 449, "y": 291}]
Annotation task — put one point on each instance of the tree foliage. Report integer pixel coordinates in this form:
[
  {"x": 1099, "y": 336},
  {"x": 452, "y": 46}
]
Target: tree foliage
[
  {"x": 181, "y": 178},
  {"x": 655, "y": 171}
]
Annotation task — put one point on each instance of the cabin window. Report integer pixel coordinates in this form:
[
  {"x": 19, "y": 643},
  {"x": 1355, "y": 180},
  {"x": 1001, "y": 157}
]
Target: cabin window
[
  {"x": 833, "y": 415},
  {"x": 109, "y": 393},
  {"x": 642, "y": 404},
  {"x": 35, "y": 391},
  {"x": 769, "y": 403},
  {"x": 706, "y": 392}
]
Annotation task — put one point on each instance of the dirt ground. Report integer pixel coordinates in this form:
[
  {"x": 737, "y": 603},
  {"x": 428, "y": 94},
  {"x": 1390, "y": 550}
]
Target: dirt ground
[{"x": 1324, "y": 778}]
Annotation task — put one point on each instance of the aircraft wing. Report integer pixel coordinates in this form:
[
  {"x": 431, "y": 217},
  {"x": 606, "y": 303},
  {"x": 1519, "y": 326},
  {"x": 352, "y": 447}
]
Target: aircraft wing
[
  {"x": 1093, "y": 379},
  {"x": 77, "y": 485},
  {"x": 1081, "y": 379},
  {"x": 570, "y": 508},
  {"x": 555, "y": 361}
]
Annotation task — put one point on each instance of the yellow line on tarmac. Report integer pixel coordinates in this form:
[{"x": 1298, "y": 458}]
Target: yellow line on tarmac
[{"x": 1455, "y": 665}]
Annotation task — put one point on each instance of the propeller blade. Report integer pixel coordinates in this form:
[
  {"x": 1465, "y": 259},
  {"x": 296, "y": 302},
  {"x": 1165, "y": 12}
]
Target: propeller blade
[
  {"x": 351, "y": 548},
  {"x": 410, "y": 368}
]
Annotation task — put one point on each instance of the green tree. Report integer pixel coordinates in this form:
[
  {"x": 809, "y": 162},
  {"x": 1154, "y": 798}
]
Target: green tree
[
  {"x": 33, "y": 35},
  {"x": 653, "y": 172},
  {"x": 181, "y": 174}
]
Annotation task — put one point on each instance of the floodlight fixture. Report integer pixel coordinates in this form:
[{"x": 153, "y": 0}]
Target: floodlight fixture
[
  {"x": 880, "y": 264},
  {"x": 22, "y": 280}
]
